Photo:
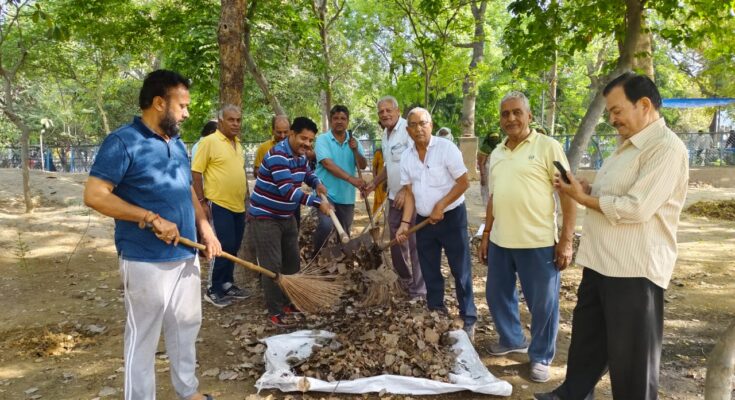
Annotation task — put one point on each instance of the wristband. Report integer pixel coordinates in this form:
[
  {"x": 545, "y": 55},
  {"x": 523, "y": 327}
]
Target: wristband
[{"x": 406, "y": 222}]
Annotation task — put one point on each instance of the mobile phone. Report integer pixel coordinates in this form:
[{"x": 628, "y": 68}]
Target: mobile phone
[{"x": 562, "y": 172}]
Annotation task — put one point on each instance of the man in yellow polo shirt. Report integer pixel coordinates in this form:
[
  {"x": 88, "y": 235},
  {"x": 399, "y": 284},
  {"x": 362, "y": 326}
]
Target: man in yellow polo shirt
[
  {"x": 520, "y": 238},
  {"x": 280, "y": 125},
  {"x": 219, "y": 160}
]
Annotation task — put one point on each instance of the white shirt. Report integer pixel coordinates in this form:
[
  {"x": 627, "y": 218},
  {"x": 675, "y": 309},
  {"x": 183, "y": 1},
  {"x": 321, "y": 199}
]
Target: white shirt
[
  {"x": 433, "y": 178},
  {"x": 393, "y": 148}
]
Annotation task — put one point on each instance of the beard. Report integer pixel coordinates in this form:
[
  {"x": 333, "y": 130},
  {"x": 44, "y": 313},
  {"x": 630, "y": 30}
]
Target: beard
[{"x": 168, "y": 124}]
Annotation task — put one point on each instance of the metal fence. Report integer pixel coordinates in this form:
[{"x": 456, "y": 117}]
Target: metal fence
[{"x": 702, "y": 153}]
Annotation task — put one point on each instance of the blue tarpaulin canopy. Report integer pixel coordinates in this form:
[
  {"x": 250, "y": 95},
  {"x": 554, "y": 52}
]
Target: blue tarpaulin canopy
[{"x": 694, "y": 103}]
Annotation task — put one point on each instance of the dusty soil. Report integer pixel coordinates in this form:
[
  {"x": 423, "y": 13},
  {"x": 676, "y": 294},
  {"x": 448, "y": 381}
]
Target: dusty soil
[{"x": 63, "y": 316}]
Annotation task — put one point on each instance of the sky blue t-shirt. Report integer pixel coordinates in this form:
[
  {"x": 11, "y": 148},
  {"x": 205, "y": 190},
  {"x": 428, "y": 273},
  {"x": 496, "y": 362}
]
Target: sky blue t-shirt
[
  {"x": 340, "y": 191},
  {"x": 153, "y": 174}
]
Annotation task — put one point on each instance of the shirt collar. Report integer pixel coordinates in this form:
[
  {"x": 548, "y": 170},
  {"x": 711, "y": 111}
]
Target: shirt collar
[
  {"x": 530, "y": 139},
  {"x": 399, "y": 125},
  {"x": 145, "y": 130},
  {"x": 330, "y": 134},
  {"x": 641, "y": 138},
  {"x": 286, "y": 146},
  {"x": 221, "y": 136}
]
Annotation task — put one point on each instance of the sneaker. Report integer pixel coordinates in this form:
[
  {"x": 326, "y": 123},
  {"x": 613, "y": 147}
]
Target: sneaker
[
  {"x": 497, "y": 349},
  {"x": 540, "y": 372},
  {"x": 235, "y": 292},
  {"x": 217, "y": 300},
  {"x": 546, "y": 396},
  {"x": 470, "y": 330},
  {"x": 277, "y": 320}
]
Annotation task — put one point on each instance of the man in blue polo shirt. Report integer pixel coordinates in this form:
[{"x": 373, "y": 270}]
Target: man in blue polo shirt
[
  {"x": 337, "y": 154},
  {"x": 141, "y": 178}
]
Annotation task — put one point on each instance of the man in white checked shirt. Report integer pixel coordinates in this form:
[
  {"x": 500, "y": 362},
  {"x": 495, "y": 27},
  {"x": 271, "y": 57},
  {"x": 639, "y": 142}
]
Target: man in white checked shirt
[{"x": 628, "y": 250}]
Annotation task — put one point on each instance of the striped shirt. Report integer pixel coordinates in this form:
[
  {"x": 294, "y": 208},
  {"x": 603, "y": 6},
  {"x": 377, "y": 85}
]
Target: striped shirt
[
  {"x": 641, "y": 187},
  {"x": 277, "y": 193}
]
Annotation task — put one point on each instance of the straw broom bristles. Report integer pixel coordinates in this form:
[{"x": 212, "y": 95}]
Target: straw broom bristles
[{"x": 308, "y": 290}]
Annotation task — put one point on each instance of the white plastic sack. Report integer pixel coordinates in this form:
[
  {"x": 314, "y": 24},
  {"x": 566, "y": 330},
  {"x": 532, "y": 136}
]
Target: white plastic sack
[{"x": 469, "y": 372}]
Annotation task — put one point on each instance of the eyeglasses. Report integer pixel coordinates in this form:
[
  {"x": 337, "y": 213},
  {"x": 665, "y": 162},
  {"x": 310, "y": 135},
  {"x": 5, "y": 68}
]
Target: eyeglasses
[{"x": 422, "y": 124}]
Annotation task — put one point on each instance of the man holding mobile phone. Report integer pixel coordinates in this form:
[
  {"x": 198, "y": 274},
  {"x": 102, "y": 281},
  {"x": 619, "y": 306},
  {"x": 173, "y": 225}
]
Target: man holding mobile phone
[{"x": 521, "y": 236}]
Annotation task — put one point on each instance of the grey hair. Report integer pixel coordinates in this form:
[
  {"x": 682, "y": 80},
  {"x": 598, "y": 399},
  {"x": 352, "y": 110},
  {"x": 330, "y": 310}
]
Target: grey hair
[
  {"x": 444, "y": 131},
  {"x": 516, "y": 95},
  {"x": 227, "y": 107},
  {"x": 387, "y": 98},
  {"x": 417, "y": 110}
]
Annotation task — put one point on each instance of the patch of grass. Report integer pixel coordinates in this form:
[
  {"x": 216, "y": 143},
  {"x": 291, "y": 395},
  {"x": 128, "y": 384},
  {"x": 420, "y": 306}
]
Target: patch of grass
[
  {"x": 723, "y": 209},
  {"x": 21, "y": 250}
]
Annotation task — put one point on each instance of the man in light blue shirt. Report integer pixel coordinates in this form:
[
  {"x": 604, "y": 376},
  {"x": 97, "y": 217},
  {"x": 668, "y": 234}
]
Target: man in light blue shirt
[{"x": 338, "y": 154}]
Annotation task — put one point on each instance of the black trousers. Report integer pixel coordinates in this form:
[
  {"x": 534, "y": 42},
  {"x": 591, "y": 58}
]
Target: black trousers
[{"x": 617, "y": 326}]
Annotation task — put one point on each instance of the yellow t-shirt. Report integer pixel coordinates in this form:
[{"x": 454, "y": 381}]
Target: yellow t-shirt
[
  {"x": 260, "y": 152},
  {"x": 223, "y": 169},
  {"x": 524, "y": 205}
]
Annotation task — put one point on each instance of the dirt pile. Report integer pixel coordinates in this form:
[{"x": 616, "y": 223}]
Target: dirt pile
[{"x": 723, "y": 209}]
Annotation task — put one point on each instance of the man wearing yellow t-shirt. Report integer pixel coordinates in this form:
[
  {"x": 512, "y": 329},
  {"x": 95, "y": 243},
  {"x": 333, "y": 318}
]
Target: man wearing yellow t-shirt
[
  {"x": 520, "y": 237},
  {"x": 219, "y": 160},
  {"x": 280, "y": 126}
]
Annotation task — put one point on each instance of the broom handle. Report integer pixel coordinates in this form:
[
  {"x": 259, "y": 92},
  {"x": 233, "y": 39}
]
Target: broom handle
[
  {"x": 410, "y": 231},
  {"x": 342, "y": 235},
  {"x": 248, "y": 265},
  {"x": 367, "y": 203}
]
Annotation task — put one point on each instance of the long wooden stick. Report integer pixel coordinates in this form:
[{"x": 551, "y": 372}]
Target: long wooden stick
[
  {"x": 342, "y": 235},
  {"x": 410, "y": 231},
  {"x": 248, "y": 265}
]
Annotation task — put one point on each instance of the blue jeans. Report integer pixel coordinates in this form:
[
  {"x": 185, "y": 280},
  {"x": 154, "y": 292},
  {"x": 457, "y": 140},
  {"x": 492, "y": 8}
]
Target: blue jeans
[
  {"x": 229, "y": 227},
  {"x": 540, "y": 282},
  {"x": 345, "y": 214},
  {"x": 449, "y": 234}
]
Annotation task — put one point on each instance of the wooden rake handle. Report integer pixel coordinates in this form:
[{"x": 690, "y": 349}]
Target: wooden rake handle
[
  {"x": 342, "y": 235},
  {"x": 248, "y": 265},
  {"x": 367, "y": 203},
  {"x": 410, "y": 231}
]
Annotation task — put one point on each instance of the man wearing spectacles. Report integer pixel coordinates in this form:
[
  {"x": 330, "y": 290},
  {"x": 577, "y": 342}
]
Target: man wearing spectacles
[{"x": 435, "y": 179}]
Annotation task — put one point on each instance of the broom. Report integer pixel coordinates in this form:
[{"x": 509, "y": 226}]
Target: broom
[{"x": 307, "y": 290}]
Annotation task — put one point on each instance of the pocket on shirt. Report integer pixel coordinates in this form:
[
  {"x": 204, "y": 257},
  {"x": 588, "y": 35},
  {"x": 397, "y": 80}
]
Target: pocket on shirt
[
  {"x": 437, "y": 178},
  {"x": 396, "y": 150}
]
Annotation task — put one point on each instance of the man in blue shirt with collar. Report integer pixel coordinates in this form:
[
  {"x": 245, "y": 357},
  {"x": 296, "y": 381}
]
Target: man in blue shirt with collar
[
  {"x": 141, "y": 178},
  {"x": 337, "y": 155}
]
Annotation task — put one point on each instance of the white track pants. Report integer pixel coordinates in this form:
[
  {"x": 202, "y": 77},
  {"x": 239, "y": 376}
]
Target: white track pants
[{"x": 167, "y": 295}]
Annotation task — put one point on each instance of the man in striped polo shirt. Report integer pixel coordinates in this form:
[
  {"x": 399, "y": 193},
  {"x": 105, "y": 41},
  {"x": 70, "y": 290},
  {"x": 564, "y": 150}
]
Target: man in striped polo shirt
[
  {"x": 275, "y": 199},
  {"x": 628, "y": 250}
]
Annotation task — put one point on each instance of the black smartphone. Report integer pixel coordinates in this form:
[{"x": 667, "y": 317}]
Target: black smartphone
[{"x": 562, "y": 172}]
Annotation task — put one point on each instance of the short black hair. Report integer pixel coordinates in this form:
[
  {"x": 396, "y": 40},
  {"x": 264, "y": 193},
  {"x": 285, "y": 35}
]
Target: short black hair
[
  {"x": 158, "y": 83},
  {"x": 301, "y": 123},
  {"x": 209, "y": 128},
  {"x": 636, "y": 87},
  {"x": 339, "y": 108}
]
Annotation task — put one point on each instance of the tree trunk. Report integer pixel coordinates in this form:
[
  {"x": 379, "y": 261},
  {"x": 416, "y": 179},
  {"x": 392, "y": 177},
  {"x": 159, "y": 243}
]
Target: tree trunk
[
  {"x": 553, "y": 79},
  {"x": 633, "y": 18},
  {"x": 253, "y": 68},
  {"x": 320, "y": 11},
  {"x": 229, "y": 37},
  {"x": 469, "y": 87},
  {"x": 100, "y": 106},
  {"x": 643, "y": 60},
  {"x": 718, "y": 384},
  {"x": 25, "y": 168}
]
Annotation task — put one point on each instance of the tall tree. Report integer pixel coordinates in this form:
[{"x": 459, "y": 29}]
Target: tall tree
[
  {"x": 325, "y": 23},
  {"x": 252, "y": 65},
  {"x": 231, "y": 49},
  {"x": 469, "y": 86}
]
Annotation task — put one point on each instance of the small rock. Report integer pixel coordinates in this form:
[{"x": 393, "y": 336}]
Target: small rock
[
  {"x": 211, "y": 372},
  {"x": 107, "y": 391},
  {"x": 30, "y": 391}
]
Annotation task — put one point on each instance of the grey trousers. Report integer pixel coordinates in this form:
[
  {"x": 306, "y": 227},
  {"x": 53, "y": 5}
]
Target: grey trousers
[
  {"x": 277, "y": 249},
  {"x": 404, "y": 257},
  {"x": 161, "y": 295}
]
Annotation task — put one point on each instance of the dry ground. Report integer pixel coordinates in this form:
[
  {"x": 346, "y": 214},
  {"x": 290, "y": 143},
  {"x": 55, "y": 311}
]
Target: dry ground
[{"x": 63, "y": 316}]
